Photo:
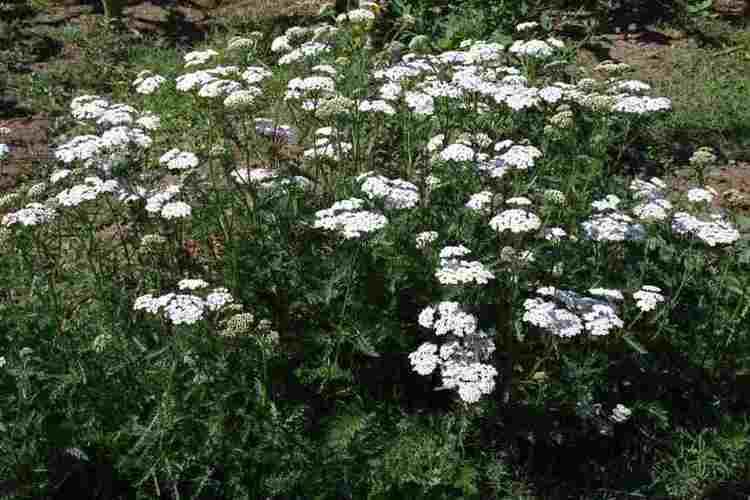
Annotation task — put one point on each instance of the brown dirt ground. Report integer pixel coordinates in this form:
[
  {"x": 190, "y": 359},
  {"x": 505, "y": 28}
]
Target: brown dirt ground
[{"x": 651, "y": 54}]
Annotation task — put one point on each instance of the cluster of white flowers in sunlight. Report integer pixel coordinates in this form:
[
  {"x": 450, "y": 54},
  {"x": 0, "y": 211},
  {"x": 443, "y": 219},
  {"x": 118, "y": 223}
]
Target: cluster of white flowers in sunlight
[
  {"x": 242, "y": 98},
  {"x": 349, "y": 220},
  {"x": 648, "y": 297},
  {"x": 356, "y": 16},
  {"x": 454, "y": 270},
  {"x": 395, "y": 193},
  {"x": 33, "y": 214},
  {"x": 198, "y": 57},
  {"x": 425, "y": 238},
  {"x": 175, "y": 210},
  {"x": 565, "y": 313},
  {"x": 306, "y": 51},
  {"x": 536, "y": 48},
  {"x": 146, "y": 82},
  {"x": 89, "y": 190},
  {"x": 480, "y": 202},
  {"x": 517, "y": 156},
  {"x": 239, "y": 43},
  {"x": 527, "y": 26},
  {"x": 310, "y": 87},
  {"x": 515, "y": 220},
  {"x": 620, "y": 414},
  {"x": 376, "y": 106},
  {"x": 185, "y": 308},
  {"x": 641, "y": 104},
  {"x": 701, "y": 195},
  {"x": 461, "y": 358},
  {"x": 175, "y": 159},
  {"x": 457, "y": 153},
  {"x": 715, "y": 231},
  {"x": 162, "y": 202}
]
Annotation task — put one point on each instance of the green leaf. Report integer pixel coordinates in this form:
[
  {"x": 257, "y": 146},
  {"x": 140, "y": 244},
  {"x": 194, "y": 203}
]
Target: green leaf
[
  {"x": 698, "y": 7},
  {"x": 363, "y": 345},
  {"x": 634, "y": 344}
]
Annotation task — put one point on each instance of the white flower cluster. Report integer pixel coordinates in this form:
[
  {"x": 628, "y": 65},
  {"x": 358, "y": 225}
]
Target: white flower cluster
[
  {"x": 632, "y": 86},
  {"x": 448, "y": 318},
  {"x": 641, "y": 104},
  {"x": 33, "y": 214},
  {"x": 480, "y": 202},
  {"x": 515, "y": 220},
  {"x": 527, "y": 26},
  {"x": 190, "y": 81},
  {"x": 219, "y": 88},
  {"x": 239, "y": 43},
  {"x": 81, "y": 148},
  {"x": 701, "y": 195},
  {"x": 357, "y": 16},
  {"x": 716, "y": 231},
  {"x": 612, "y": 67},
  {"x": 395, "y": 193},
  {"x": 312, "y": 86},
  {"x": 328, "y": 145},
  {"x": 648, "y": 297},
  {"x": 425, "y": 238},
  {"x": 88, "y": 107},
  {"x": 461, "y": 358},
  {"x": 536, "y": 48},
  {"x": 184, "y": 308},
  {"x": 146, "y": 82},
  {"x": 91, "y": 188},
  {"x": 175, "y": 159},
  {"x": 620, "y": 414},
  {"x": 198, "y": 57},
  {"x": 517, "y": 156},
  {"x": 242, "y": 98},
  {"x": 308, "y": 50},
  {"x": 456, "y": 153},
  {"x": 348, "y": 219},
  {"x": 568, "y": 314},
  {"x": 454, "y": 270},
  {"x": 161, "y": 203},
  {"x": 608, "y": 203},
  {"x": 612, "y": 226},
  {"x": 376, "y": 106},
  {"x": 419, "y": 103}
]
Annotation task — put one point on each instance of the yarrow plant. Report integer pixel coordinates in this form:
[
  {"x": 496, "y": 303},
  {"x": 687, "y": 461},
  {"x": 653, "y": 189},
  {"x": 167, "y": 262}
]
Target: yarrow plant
[{"x": 463, "y": 211}]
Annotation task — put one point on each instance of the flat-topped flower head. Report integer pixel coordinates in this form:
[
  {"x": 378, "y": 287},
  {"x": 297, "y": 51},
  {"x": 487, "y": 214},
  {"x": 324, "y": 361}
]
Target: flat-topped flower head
[
  {"x": 613, "y": 226},
  {"x": 176, "y": 210},
  {"x": 198, "y": 57},
  {"x": 425, "y": 238},
  {"x": 347, "y": 219},
  {"x": 33, "y": 214},
  {"x": 701, "y": 195},
  {"x": 480, "y": 202},
  {"x": 515, "y": 220},
  {"x": 448, "y": 318},
  {"x": 648, "y": 297},
  {"x": 147, "y": 84},
  {"x": 712, "y": 232},
  {"x": 396, "y": 193},
  {"x": 174, "y": 159}
]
